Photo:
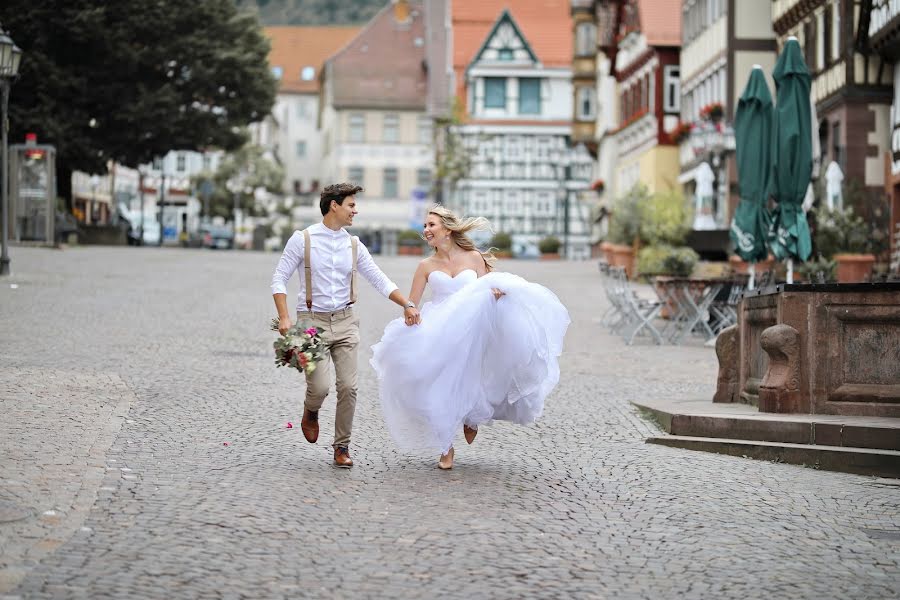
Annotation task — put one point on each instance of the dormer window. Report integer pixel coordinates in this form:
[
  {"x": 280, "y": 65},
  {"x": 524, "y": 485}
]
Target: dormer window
[
  {"x": 494, "y": 92},
  {"x": 505, "y": 54}
]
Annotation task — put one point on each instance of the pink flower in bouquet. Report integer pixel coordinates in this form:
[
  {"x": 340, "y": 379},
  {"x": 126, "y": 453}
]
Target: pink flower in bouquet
[
  {"x": 312, "y": 331},
  {"x": 301, "y": 356}
]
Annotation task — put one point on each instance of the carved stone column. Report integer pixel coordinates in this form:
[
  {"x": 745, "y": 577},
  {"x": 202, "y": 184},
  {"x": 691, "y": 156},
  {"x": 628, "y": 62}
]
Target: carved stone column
[
  {"x": 780, "y": 389},
  {"x": 728, "y": 385}
]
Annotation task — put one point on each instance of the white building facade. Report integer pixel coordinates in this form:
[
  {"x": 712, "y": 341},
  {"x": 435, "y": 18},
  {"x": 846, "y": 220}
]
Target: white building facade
[{"x": 523, "y": 176}]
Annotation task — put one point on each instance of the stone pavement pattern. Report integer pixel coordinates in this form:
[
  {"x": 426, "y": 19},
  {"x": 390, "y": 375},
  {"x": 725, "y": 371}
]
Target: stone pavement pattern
[{"x": 124, "y": 371}]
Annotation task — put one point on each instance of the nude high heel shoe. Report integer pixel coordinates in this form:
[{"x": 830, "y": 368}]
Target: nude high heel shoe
[{"x": 446, "y": 461}]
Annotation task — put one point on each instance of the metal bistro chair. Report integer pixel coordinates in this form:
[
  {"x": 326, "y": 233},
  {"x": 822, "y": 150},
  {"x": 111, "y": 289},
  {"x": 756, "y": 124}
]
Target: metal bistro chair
[
  {"x": 723, "y": 312},
  {"x": 637, "y": 313}
]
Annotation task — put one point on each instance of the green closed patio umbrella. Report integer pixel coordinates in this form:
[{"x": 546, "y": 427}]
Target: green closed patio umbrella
[
  {"x": 753, "y": 130},
  {"x": 791, "y": 157}
]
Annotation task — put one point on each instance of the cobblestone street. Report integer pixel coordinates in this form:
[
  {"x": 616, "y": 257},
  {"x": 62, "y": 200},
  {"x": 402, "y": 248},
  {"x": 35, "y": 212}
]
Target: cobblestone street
[{"x": 144, "y": 454}]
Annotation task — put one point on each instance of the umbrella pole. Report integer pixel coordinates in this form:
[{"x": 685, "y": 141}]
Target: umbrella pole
[
  {"x": 752, "y": 283},
  {"x": 790, "y": 270}
]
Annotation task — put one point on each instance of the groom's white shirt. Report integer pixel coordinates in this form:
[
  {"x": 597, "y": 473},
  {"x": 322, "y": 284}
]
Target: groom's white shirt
[{"x": 331, "y": 256}]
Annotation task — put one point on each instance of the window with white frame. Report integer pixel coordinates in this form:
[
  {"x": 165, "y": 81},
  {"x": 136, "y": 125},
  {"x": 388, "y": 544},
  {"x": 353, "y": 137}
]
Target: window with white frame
[
  {"x": 587, "y": 103},
  {"x": 355, "y": 175},
  {"x": 181, "y": 162},
  {"x": 495, "y": 92},
  {"x": 357, "y": 131},
  {"x": 480, "y": 202},
  {"x": 390, "y": 183},
  {"x": 529, "y": 96},
  {"x": 671, "y": 89},
  {"x": 301, "y": 148},
  {"x": 513, "y": 203},
  {"x": 425, "y": 130},
  {"x": 391, "y": 128},
  {"x": 586, "y": 39},
  {"x": 423, "y": 179},
  {"x": 302, "y": 109}
]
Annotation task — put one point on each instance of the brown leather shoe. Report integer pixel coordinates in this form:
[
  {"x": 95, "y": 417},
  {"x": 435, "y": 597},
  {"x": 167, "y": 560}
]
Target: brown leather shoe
[
  {"x": 342, "y": 457},
  {"x": 470, "y": 433},
  {"x": 310, "y": 426}
]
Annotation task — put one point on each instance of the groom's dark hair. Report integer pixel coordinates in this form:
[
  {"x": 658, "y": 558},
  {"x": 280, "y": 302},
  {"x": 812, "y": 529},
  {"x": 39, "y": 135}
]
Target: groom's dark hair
[{"x": 336, "y": 192}]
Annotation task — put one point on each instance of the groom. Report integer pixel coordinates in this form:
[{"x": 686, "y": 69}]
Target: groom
[{"x": 330, "y": 258}]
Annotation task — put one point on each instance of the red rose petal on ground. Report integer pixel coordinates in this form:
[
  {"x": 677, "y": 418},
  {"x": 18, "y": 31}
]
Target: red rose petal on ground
[
  {"x": 225, "y": 444},
  {"x": 289, "y": 425}
]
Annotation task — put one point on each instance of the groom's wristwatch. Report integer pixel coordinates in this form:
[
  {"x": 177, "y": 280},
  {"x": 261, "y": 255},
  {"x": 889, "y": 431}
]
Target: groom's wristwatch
[{"x": 409, "y": 304}]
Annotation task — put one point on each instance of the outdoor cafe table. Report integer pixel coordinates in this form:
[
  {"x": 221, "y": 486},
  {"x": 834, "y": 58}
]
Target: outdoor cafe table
[{"x": 688, "y": 300}]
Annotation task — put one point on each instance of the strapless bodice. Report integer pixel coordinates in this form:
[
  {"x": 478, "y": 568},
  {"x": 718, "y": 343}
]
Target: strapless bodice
[{"x": 443, "y": 286}]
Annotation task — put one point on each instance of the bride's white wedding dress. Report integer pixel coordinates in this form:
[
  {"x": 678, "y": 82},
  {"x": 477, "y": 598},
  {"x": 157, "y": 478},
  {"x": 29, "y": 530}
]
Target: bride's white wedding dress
[{"x": 472, "y": 359}]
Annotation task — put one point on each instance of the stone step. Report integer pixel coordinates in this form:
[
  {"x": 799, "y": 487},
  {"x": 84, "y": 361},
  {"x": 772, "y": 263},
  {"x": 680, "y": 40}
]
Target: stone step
[
  {"x": 861, "y": 461},
  {"x": 743, "y": 422}
]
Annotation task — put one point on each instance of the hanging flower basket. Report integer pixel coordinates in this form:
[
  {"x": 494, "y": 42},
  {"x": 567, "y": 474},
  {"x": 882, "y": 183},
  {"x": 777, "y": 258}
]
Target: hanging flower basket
[
  {"x": 682, "y": 132},
  {"x": 598, "y": 186},
  {"x": 713, "y": 111}
]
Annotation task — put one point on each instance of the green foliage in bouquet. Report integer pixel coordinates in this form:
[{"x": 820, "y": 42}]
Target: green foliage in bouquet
[{"x": 301, "y": 347}]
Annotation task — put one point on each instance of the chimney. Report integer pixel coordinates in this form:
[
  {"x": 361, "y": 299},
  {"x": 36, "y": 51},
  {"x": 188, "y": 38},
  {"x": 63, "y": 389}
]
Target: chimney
[{"x": 401, "y": 10}]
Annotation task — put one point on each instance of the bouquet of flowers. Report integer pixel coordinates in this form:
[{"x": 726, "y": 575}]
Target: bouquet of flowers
[{"x": 300, "y": 347}]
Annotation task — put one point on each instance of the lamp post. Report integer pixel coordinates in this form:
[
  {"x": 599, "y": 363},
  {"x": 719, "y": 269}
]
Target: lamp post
[
  {"x": 141, "y": 175},
  {"x": 10, "y": 57},
  {"x": 564, "y": 159},
  {"x": 162, "y": 203}
]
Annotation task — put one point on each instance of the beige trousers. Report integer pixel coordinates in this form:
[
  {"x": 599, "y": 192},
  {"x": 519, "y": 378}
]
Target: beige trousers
[{"x": 340, "y": 332}]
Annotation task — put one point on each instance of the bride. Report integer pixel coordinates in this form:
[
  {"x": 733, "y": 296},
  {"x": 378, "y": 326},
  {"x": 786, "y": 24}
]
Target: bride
[{"x": 486, "y": 348}]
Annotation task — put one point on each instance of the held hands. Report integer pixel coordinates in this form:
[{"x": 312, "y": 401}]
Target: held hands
[
  {"x": 411, "y": 316},
  {"x": 498, "y": 293},
  {"x": 284, "y": 324}
]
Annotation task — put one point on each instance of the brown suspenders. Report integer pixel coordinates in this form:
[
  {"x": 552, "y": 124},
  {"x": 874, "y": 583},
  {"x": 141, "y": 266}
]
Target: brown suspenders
[{"x": 307, "y": 269}]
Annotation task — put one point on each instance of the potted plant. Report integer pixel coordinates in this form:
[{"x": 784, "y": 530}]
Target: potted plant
[
  {"x": 549, "y": 247},
  {"x": 501, "y": 244},
  {"x": 625, "y": 229},
  {"x": 409, "y": 243},
  {"x": 847, "y": 239}
]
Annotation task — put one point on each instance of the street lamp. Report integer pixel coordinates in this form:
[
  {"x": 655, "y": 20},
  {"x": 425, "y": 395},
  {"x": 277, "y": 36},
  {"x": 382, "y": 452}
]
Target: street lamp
[
  {"x": 10, "y": 57},
  {"x": 563, "y": 160}
]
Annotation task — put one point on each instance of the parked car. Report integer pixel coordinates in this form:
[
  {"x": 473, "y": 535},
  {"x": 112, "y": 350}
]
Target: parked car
[{"x": 218, "y": 237}]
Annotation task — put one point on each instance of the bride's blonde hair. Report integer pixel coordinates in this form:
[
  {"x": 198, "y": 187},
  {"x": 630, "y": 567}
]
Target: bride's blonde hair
[{"x": 459, "y": 227}]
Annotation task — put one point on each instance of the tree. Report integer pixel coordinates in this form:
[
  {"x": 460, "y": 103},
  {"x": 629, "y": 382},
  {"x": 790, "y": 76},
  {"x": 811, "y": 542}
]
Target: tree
[
  {"x": 105, "y": 81},
  {"x": 242, "y": 171}
]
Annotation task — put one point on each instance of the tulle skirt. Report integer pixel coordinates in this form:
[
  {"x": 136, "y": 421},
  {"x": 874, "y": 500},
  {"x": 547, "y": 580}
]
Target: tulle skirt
[{"x": 473, "y": 359}]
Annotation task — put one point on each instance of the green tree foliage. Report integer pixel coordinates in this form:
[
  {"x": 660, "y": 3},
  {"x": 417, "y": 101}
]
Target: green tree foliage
[
  {"x": 241, "y": 173},
  {"x": 313, "y": 12},
  {"x": 127, "y": 82}
]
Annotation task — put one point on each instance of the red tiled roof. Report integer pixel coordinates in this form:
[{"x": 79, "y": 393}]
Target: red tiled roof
[
  {"x": 384, "y": 65},
  {"x": 661, "y": 21},
  {"x": 545, "y": 24},
  {"x": 294, "y": 48}
]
